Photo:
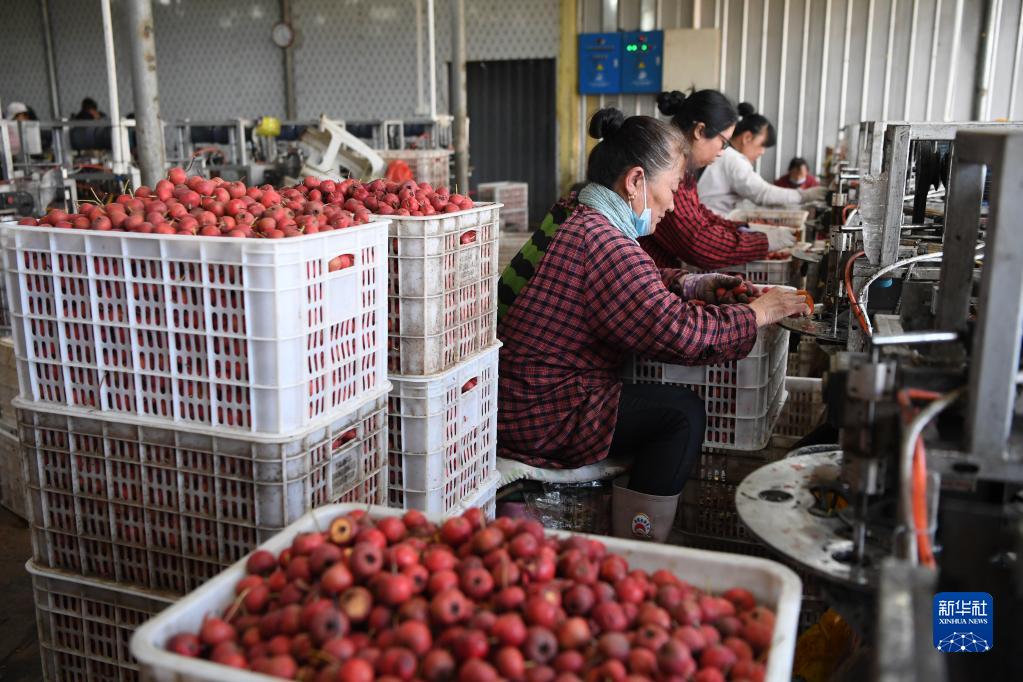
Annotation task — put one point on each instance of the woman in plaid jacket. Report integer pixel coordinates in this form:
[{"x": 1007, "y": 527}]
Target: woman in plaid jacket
[
  {"x": 593, "y": 298},
  {"x": 692, "y": 231}
]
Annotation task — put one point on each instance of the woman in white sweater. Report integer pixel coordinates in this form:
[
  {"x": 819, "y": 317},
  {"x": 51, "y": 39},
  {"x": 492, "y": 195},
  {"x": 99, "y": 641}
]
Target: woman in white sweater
[{"x": 732, "y": 179}]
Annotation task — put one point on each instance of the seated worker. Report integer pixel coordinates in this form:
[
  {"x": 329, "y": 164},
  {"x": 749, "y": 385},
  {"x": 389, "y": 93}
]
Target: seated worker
[
  {"x": 692, "y": 231},
  {"x": 733, "y": 179},
  {"x": 798, "y": 176},
  {"x": 89, "y": 111},
  {"x": 16, "y": 111},
  {"x": 593, "y": 298}
]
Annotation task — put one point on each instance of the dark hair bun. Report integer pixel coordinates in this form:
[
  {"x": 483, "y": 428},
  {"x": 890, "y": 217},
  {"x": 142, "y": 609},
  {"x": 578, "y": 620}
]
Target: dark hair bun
[
  {"x": 605, "y": 123},
  {"x": 746, "y": 109},
  {"x": 671, "y": 103}
]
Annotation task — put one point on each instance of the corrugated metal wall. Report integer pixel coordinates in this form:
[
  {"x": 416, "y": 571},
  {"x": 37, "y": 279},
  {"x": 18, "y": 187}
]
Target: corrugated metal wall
[
  {"x": 813, "y": 66},
  {"x": 511, "y": 134}
]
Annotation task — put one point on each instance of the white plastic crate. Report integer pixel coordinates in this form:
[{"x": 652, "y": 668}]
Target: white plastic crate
[
  {"x": 803, "y": 409},
  {"x": 5, "y": 314},
  {"x": 253, "y": 335},
  {"x": 442, "y": 289},
  {"x": 735, "y": 388},
  {"x": 12, "y": 476},
  {"x": 442, "y": 435},
  {"x": 771, "y": 583},
  {"x": 514, "y": 220},
  {"x": 427, "y": 165},
  {"x": 515, "y": 198},
  {"x": 759, "y": 272},
  {"x": 85, "y": 625},
  {"x": 795, "y": 218},
  {"x": 748, "y": 433},
  {"x": 167, "y": 509},
  {"x": 766, "y": 272},
  {"x": 514, "y": 195},
  {"x": 485, "y": 499}
]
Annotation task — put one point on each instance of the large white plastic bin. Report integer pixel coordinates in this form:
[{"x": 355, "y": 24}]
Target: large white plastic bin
[
  {"x": 442, "y": 434},
  {"x": 252, "y": 335},
  {"x": 771, "y": 584},
  {"x": 442, "y": 289},
  {"x": 167, "y": 509}
]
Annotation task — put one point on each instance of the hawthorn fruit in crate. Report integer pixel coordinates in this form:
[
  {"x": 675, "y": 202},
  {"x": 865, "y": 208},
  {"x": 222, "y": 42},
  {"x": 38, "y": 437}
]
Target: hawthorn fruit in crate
[
  {"x": 167, "y": 509},
  {"x": 473, "y": 601},
  {"x": 442, "y": 435},
  {"x": 208, "y": 317}
]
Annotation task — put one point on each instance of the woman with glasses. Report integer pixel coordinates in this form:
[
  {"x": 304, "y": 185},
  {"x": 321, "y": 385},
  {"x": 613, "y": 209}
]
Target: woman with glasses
[
  {"x": 692, "y": 231},
  {"x": 733, "y": 182}
]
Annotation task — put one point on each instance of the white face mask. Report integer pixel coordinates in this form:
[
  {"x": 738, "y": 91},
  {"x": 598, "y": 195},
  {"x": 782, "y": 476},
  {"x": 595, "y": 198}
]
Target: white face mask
[{"x": 642, "y": 222}]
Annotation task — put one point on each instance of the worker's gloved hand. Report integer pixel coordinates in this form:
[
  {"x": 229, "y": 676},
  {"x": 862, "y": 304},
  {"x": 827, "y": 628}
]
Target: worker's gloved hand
[
  {"x": 778, "y": 238},
  {"x": 813, "y": 195},
  {"x": 705, "y": 287}
]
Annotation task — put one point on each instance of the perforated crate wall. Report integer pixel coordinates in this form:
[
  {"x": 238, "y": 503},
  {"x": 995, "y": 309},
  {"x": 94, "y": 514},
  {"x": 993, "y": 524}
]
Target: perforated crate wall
[
  {"x": 85, "y": 625},
  {"x": 442, "y": 434},
  {"x": 252, "y": 335},
  {"x": 803, "y": 409},
  {"x": 442, "y": 290},
  {"x": 168, "y": 509},
  {"x": 427, "y": 165},
  {"x": 740, "y": 397},
  {"x": 514, "y": 198}
]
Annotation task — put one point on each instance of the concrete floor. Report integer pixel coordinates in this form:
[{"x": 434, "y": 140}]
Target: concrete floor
[{"x": 19, "y": 646}]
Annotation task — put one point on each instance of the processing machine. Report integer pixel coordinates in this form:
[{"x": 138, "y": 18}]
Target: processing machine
[{"x": 921, "y": 494}]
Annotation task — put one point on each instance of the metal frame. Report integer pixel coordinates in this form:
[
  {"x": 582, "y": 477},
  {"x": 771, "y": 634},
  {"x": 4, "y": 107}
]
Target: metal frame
[
  {"x": 898, "y": 138},
  {"x": 995, "y": 353}
]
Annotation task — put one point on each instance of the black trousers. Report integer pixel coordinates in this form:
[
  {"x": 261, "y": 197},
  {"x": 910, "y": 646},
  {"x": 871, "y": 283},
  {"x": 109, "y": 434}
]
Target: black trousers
[{"x": 661, "y": 428}]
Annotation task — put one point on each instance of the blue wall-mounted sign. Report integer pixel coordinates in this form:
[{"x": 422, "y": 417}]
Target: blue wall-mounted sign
[
  {"x": 600, "y": 63},
  {"x": 642, "y": 61}
]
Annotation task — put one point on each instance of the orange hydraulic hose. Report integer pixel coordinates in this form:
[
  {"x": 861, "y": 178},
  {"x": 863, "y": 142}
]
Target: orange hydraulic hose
[
  {"x": 924, "y": 550},
  {"x": 851, "y": 293}
]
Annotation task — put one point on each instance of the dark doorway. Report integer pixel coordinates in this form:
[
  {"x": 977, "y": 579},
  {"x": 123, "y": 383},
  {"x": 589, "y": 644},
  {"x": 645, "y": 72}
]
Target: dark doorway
[{"x": 511, "y": 127}]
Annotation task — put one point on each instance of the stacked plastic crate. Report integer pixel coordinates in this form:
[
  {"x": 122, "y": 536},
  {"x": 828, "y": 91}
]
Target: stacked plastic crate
[
  {"x": 442, "y": 360},
  {"x": 743, "y": 399},
  {"x": 514, "y": 200},
  {"x": 427, "y": 165},
  {"x": 12, "y": 479},
  {"x": 181, "y": 400},
  {"x": 774, "y": 270}
]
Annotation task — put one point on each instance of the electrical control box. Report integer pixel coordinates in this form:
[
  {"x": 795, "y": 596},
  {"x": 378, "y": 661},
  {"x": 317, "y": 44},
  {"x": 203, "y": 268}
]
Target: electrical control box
[
  {"x": 642, "y": 61},
  {"x": 600, "y": 63}
]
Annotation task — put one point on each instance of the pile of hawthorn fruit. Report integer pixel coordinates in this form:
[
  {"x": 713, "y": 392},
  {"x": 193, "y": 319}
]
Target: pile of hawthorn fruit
[
  {"x": 196, "y": 206},
  {"x": 401, "y": 598}
]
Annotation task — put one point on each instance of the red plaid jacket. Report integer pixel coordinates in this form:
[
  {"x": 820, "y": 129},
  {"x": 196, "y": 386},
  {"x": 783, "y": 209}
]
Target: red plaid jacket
[
  {"x": 700, "y": 237},
  {"x": 595, "y": 299}
]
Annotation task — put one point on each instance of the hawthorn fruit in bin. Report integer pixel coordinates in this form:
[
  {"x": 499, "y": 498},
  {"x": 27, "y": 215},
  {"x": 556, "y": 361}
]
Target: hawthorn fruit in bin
[
  {"x": 404, "y": 598},
  {"x": 194, "y": 206}
]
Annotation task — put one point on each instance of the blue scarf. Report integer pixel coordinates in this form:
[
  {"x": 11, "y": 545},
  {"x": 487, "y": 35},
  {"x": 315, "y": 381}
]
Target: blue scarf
[{"x": 610, "y": 205}]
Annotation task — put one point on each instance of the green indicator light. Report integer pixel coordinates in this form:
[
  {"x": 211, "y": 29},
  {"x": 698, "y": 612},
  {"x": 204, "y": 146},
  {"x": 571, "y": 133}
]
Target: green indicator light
[{"x": 644, "y": 48}]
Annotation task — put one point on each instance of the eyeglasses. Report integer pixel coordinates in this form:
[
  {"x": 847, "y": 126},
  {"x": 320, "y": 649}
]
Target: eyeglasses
[{"x": 725, "y": 142}]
